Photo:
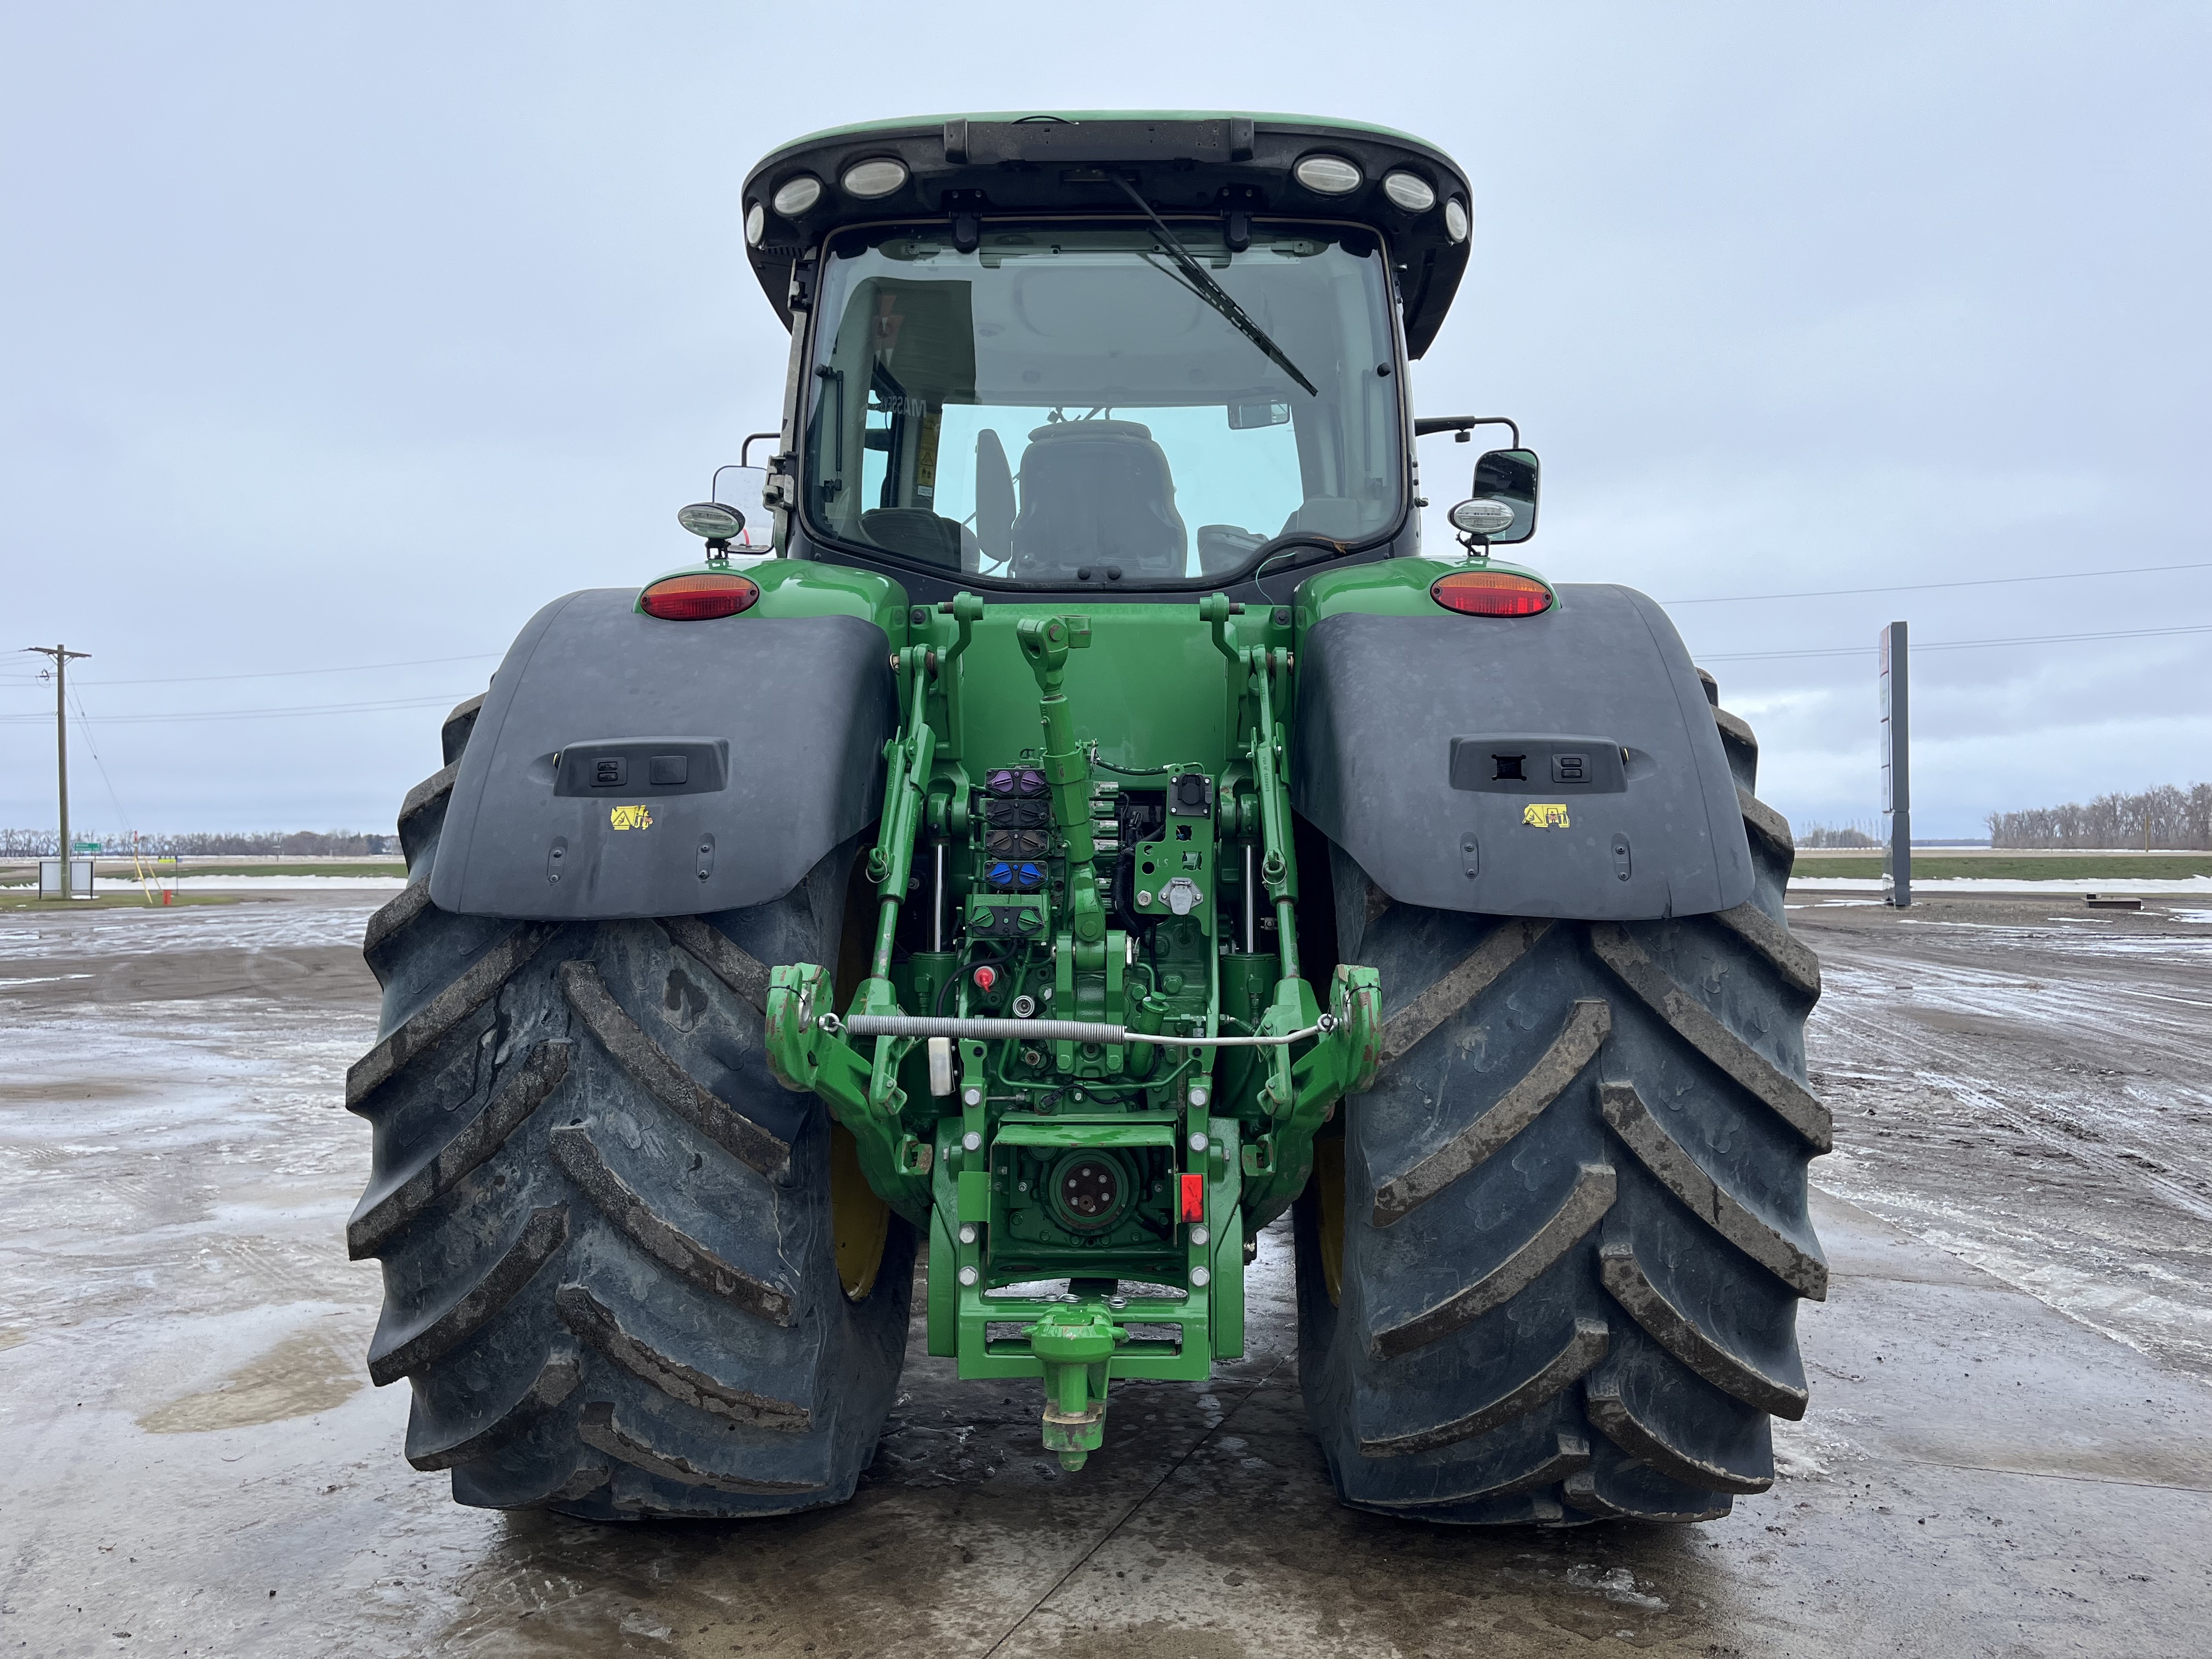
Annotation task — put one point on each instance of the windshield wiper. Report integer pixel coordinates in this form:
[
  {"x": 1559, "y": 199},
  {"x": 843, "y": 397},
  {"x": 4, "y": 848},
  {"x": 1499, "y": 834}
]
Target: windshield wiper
[{"x": 1212, "y": 293}]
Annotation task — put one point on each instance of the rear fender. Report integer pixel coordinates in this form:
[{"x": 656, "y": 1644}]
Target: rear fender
[
  {"x": 768, "y": 733},
  {"x": 1407, "y": 728}
]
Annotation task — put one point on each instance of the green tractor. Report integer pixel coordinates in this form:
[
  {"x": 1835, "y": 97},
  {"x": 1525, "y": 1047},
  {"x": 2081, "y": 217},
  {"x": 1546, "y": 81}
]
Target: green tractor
[{"x": 1065, "y": 822}]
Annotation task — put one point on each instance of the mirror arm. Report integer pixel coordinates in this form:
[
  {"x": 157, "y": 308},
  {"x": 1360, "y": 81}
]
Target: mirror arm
[{"x": 1463, "y": 425}]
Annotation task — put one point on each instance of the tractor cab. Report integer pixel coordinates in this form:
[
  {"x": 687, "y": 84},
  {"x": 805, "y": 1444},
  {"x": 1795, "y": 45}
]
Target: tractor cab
[{"x": 1108, "y": 354}]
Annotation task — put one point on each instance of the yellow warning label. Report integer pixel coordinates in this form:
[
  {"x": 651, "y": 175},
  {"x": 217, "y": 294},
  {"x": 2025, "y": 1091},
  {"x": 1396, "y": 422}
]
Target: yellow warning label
[
  {"x": 640, "y": 817},
  {"x": 1546, "y": 815}
]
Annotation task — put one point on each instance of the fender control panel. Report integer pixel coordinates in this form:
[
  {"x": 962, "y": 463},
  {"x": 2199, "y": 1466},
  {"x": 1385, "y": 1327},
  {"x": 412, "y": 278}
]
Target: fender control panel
[
  {"x": 1548, "y": 765},
  {"x": 643, "y": 766}
]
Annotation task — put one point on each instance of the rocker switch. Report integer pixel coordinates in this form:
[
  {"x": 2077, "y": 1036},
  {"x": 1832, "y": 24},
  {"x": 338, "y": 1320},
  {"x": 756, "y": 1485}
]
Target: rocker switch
[
  {"x": 611, "y": 773},
  {"x": 1570, "y": 769}
]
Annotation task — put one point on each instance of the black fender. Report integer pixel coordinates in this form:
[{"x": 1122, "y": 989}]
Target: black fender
[
  {"x": 627, "y": 766},
  {"x": 1626, "y": 810}
]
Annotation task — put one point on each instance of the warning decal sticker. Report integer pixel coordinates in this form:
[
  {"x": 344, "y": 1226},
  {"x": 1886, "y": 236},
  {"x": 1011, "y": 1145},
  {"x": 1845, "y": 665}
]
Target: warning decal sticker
[
  {"x": 635, "y": 818},
  {"x": 1546, "y": 815}
]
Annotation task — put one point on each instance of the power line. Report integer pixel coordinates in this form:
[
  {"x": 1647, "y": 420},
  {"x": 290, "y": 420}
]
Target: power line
[
  {"x": 445, "y": 699},
  {"x": 84, "y": 726},
  {"x": 1923, "y": 588},
  {"x": 1954, "y": 645},
  {"x": 284, "y": 673}
]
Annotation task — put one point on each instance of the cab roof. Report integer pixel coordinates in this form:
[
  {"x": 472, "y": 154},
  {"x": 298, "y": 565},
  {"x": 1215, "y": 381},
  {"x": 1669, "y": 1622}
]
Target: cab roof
[{"x": 1185, "y": 163}]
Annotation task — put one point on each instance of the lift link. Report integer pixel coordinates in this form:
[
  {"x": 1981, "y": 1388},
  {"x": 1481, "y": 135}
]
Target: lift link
[
  {"x": 1045, "y": 641},
  {"x": 891, "y": 861},
  {"x": 1342, "y": 1062},
  {"x": 807, "y": 1057}
]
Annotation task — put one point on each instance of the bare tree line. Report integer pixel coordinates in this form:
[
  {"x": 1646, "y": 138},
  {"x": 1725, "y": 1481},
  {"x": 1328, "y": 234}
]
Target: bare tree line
[
  {"x": 1848, "y": 835},
  {"x": 298, "y": 843},
  {"x": 2166, "y": 816}
]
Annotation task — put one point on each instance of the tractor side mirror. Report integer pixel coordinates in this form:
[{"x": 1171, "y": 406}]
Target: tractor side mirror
[
  {"x": 1501, "y": 510},
  {"x": 743, "y": 488},
  {"x": 733, "y": 512}
]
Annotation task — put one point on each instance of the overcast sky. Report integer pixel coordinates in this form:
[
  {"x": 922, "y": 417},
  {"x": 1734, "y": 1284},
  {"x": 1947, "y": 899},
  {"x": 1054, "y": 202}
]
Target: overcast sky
[{"x": 349, "y": 335}]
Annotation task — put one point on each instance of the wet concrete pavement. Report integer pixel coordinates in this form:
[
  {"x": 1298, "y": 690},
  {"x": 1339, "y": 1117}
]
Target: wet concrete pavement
[
  {"x": 193, "y": 1456},
  {"x": 2028, "y": 1084}
]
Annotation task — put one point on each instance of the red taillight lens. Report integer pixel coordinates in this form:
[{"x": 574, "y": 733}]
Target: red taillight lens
[
  {"x": 696, "y": 598},
  {"x": 1194, "y": 1197},
  {"x": 1490, "y": 593}
]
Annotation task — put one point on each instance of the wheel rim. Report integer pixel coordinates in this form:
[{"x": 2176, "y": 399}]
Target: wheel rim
[
  {"x": 1329, "y": 1190},
  {"x": 859, "y": 1220}
]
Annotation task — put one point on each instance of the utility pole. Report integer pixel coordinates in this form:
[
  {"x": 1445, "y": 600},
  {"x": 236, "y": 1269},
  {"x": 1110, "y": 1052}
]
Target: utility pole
[
  {"x": 1896, "y": 768},
  {"x": 63, "y": 656}
]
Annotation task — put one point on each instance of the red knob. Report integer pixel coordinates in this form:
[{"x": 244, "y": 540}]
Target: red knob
[{"x": 986, "y": 977}]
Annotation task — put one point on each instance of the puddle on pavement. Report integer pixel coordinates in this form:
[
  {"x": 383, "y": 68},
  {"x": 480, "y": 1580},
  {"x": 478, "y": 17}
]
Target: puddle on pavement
[
  {"x": 299, "y": 1376},
  {"x": 1156, "y": 1638},
  {"x": 43, "y": 1091}
]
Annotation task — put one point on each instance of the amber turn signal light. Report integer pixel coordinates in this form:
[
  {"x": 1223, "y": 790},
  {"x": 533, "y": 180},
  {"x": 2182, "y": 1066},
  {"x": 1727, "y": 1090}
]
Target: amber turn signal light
[
  {"x": 696, "y": 598},
  {"x": 1490, "y": 593}
]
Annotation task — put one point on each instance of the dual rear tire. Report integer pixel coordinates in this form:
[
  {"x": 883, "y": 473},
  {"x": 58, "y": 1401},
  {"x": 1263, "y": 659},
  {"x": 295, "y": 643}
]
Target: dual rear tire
[
  {"x": 1549, "y": 1271},
  {"x": 626, "y": 1274}
]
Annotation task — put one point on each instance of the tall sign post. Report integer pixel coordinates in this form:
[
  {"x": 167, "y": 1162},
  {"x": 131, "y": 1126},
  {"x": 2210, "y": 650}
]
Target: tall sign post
[
  {"x": 63, "y": 656},
  {"x": 1896, "y": 769}
]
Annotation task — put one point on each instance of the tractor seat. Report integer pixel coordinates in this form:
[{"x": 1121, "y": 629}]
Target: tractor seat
[
  {"x": 1094, "y": 494},
  {"x": 919, "y": 533}
]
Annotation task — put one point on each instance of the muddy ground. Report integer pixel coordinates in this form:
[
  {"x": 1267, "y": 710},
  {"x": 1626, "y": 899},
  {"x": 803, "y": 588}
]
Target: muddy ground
[{"x": 2009, "y": 1450}]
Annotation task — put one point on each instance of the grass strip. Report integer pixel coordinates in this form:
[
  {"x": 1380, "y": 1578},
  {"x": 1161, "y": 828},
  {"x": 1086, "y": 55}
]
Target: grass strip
[
  {"x": 109, "y": 870},
  {"x": 2034, "y": 867}
]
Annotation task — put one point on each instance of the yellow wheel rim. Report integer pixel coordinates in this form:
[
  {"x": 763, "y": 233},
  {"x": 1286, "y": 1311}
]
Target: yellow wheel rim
[
  {"x": 1329, "y": 1191},
  {"x": 860, "y": 1221}
]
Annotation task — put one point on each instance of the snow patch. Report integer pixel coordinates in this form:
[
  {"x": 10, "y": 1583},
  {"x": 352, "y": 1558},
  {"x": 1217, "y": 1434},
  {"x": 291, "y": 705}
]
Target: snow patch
[
  {"x": 191, "y": 884},
  {"x": 1615, "y": 1585},
  {"x": 1809, "y": 1451}
]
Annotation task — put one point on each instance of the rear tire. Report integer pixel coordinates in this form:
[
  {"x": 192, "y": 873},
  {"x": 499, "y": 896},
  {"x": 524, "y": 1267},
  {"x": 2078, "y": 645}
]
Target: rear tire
[
  {"x": 623, "y": 1270},
  {"x": 1550, "y": 1272}
]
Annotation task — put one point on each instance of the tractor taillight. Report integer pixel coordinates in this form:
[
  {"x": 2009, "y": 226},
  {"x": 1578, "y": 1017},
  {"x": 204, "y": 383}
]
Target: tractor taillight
[
  {"x": 1194, "y": 1197},
  {"x": 1490, "y": 593},
  {"x": 696, "y": 598}
]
